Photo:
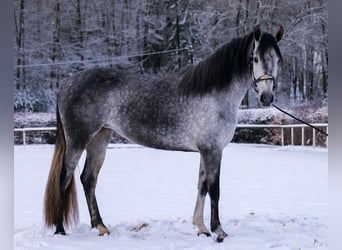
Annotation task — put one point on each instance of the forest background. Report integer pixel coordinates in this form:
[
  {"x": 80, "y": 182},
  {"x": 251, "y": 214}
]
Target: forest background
[{"x": 56, "y": 38}]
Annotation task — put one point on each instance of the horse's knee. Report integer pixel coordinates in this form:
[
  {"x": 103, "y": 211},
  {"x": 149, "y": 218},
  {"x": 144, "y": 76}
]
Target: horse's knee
[
  {"x": 213, "y": 187},
  {"x": 203, "y": 188}
]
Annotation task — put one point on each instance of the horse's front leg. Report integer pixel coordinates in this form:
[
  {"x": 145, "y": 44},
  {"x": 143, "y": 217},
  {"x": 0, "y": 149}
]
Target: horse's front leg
[
  {"x": 202, "y": 193},
  {"x": 212, "y": 165}
]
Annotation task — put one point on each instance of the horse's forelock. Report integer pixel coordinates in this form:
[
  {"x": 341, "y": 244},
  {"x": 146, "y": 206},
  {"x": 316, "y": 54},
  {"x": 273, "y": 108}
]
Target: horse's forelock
[{"x": 267, "y": 42}]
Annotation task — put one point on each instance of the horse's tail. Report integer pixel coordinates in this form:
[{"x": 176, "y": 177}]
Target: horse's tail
[{"x": 53, "y": 203}]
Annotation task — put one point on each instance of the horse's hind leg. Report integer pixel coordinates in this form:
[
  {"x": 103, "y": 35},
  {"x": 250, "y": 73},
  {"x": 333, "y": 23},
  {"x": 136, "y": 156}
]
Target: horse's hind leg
[
  {"x": 68, "y": 208},
  {"x": 96, "y": 151},
  {"x": 202, "y": 193}
]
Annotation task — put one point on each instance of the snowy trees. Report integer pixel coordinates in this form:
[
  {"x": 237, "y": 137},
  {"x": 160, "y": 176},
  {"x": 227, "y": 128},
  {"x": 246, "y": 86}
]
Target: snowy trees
[
  {"x": 306, "y": 51},
  {"x": 55, "y": 38}
]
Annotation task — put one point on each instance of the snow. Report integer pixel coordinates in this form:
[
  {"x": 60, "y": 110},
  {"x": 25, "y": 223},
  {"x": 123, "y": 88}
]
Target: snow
[{"x": 272, "y": 197}]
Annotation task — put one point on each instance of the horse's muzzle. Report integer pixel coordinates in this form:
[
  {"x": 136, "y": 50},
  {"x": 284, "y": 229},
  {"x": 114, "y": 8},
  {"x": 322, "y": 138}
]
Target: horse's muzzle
[{"x": 266, "y": 99}]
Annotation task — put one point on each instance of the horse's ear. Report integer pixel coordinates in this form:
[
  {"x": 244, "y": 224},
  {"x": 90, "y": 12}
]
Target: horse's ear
[
  {"x": 279, "y": 34},
  {"x": 257, "y": 33}
]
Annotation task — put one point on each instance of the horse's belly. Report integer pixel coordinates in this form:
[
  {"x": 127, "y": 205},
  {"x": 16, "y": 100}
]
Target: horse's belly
[{"x": 160, "y": 137}]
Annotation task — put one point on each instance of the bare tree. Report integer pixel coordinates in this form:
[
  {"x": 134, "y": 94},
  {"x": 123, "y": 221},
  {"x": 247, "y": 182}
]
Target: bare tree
[
  {"x": 19, "y": 20},
  {"x": 70, "y": 35}
]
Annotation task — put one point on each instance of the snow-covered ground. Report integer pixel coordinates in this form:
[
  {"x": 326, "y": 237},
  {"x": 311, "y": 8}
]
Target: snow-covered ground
[{"x": 271, "y": 198}]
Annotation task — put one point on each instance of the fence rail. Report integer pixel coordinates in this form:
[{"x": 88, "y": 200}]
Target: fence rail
[
  {"x": 24, "y": 130},
  {"x": 279, "y": 126},
  {"x": 291, "y": 126}
]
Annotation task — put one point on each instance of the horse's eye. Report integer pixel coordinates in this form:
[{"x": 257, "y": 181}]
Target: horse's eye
[{"x": 256, "y": 60}]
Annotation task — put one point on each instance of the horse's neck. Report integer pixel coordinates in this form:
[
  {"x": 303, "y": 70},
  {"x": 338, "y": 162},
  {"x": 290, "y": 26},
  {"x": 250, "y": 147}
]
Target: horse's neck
[{"x": 234, "y": 94}]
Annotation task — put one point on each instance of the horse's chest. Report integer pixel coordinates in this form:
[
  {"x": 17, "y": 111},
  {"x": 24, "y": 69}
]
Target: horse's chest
[{"x": 226, "y": 122}]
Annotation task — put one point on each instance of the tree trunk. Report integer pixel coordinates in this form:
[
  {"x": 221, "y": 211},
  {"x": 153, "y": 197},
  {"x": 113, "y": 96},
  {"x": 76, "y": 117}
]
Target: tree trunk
[
  {"x": 20, "y": 40},
  {"x": 54, "y": 83},
  {"x": 79, "y": 27},
  {"x": 178, "y": 36}
]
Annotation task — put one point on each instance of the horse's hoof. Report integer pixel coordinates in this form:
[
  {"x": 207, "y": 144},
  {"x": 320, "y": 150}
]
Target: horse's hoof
[
  {"x": 202, "y": 229},
  {"x": 103, "y": 230},
  {"x": 205, "y": 233},
  {"x": 60, "y": 232},
  {"x": 221, "y": 235},
  {"x": 220, "y": 239}
]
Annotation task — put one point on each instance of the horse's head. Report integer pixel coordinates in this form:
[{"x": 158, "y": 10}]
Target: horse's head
[{"x": 266, "y": 58}]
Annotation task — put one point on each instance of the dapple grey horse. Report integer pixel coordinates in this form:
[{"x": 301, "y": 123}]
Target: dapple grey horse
[{"x": 194, "y": 110}]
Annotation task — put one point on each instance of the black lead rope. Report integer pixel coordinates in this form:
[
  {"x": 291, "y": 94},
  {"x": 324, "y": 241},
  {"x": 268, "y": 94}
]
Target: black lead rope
[{"x": 314, "y": 127}]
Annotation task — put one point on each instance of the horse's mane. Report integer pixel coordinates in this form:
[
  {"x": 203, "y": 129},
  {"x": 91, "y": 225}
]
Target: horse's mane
[{"x": 218, "y": 69}]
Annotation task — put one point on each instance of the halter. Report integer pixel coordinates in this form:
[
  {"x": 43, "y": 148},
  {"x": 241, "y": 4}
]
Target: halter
[{"x": 262, "y": 77}]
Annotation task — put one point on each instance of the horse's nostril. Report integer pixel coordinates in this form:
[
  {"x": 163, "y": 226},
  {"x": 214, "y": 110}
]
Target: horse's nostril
[
  {"x": 262, "y": 99},
  {"x": 266, "y": 99}
]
